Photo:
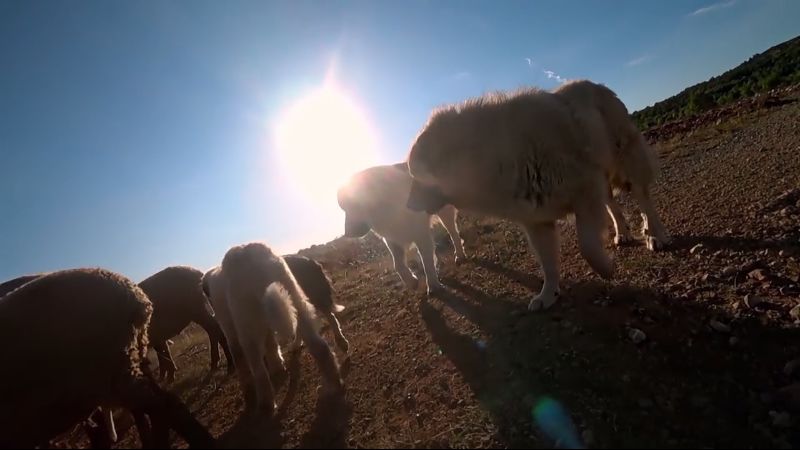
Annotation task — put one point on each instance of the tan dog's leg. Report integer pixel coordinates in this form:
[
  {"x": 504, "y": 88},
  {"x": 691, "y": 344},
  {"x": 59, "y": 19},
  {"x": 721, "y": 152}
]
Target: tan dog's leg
[
  {"x": 448, "y": 216},
  {"x": 400, "y": 266},
  {"x": 427, "y": 252}
]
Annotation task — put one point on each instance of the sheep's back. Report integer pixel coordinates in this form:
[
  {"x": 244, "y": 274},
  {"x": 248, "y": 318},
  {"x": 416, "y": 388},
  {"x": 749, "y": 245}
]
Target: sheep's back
[
  {"x": 312, "y": 279},
  {"x": 70, "y": 340}
]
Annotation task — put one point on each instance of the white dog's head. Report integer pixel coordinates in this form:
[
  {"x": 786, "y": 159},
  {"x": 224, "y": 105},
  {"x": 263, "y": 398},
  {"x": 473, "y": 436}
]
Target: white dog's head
[{"x": 356, "y": 224}]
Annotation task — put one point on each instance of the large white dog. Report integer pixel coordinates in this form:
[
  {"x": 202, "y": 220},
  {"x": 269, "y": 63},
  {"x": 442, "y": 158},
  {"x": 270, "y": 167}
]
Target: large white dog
[
  {"x": 375, "y": 199},
  {"x": 630, "y": 162},
  {"x": 521, "y": 156}
]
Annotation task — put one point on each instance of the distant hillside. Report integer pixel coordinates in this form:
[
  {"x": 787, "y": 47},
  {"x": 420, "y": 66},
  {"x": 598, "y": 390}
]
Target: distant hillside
[{"x": 777, "y": 67}]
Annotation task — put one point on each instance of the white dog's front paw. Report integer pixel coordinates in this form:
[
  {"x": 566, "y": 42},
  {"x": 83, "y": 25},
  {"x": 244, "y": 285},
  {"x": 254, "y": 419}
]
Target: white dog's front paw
[{"x": 543, "y": 301}]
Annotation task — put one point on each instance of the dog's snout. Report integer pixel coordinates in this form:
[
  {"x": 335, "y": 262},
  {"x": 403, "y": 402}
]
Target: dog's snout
[{"x": 424, "y": 198}]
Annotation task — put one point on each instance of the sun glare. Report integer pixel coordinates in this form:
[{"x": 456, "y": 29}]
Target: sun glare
[{"x": 322, "y": 139}]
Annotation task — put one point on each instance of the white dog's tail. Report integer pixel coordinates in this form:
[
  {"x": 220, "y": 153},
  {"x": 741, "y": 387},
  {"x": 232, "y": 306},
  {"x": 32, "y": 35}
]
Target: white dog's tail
[{"x": 281, "y": 315}]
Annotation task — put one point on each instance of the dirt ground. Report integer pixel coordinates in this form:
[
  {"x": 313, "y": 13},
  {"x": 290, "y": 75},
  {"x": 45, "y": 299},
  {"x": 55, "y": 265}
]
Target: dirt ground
[{"x": 473, "y": 368}]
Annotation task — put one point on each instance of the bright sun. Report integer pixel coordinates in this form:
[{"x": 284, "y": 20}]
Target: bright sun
[{"x": 322, "y": 139}]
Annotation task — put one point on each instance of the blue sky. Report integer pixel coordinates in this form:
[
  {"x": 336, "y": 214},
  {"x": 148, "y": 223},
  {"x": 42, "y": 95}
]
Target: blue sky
[{"x": 136, "y": 135}]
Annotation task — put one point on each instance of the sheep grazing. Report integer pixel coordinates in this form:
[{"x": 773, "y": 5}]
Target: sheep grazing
[
  {"x": 178, "y": 298},
  {"x": 317, "y": 286},
  {"x": 81, "y": 337},
  {"x": 256, "y": 297}
]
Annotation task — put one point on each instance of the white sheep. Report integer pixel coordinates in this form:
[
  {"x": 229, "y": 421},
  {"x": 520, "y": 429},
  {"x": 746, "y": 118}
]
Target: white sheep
[{"x": 256, "y": 297}]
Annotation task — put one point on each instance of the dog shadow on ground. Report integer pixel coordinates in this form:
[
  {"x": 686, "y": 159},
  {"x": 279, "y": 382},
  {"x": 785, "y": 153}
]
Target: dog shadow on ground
[
  {"x": 580, "y": 356},
  {"x": 329, "y": 428}
]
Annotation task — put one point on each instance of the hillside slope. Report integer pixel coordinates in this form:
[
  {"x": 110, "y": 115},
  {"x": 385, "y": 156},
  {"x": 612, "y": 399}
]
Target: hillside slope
[
  {"x": 777, "y": 67},
  {"x": 472, "y": 368}
]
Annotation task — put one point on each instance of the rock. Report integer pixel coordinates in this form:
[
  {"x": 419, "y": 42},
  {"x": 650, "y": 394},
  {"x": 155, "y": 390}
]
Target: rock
[
  {"x": 696, "y": 249},
  {"x": 781, "y": 419},
  {"x": 719, "y": 326},
  {"x": 729, "y": 271},
  {"x": 791, "y": 367},
  {"x": 636, "y": 335},
  {"x": 794, "y": 313},
  {"x": 758, "y": 274},
  {"x": 752, "y": 300}
]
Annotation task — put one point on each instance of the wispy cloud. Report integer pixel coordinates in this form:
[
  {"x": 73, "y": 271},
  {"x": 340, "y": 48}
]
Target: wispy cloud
[
  {"x": 530, "y": 62},
  {"x": 640, "y": 60},
  {"x": 463, "y": 75},
  {"x": 554, "y": 76},
  {"x": 712, "y": 8}
]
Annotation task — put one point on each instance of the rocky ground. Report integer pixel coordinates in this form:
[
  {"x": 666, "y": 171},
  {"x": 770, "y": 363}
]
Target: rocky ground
[{"x": 695, "y": 346}]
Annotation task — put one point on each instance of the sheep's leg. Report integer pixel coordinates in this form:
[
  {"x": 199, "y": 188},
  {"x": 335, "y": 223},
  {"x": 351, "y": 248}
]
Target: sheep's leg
[
  {"x": 448, "y": 216},
  {"x": 654, "y": 231},
  {"x": 275, "y": 362},
  {"x": 144, "y": 429},
  {"x": 225, "y": 349},
  {"x": 543, "y": 238},
  {"x": 427, "y": 252},
  {"x": 400, "y": 266},
  {"x": 243, "y": 372},
  {"x": 215, "y": 336},
  {"x": 622, "y": 234},
  {"x": 341, "y": 341},
  {"x": 319, "y": 349},
  {"x": 253, "y": 348},
  {"x": 166, "y": 365},
  {"x": 100, "y": 431},
  {"x": 166, "y": 411}
]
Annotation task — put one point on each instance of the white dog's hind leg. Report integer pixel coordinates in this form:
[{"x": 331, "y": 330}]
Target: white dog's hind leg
[
  {"x": 655, "y": 234},
  {"x": 543, "y": 238},
  {"x": 448, "y": 216},
  {"x": 427, "y": 252},
  {"x": 590, "y": 223},
  {"x": 622, "y": 234},
  {"x": 400, "y": 266}
]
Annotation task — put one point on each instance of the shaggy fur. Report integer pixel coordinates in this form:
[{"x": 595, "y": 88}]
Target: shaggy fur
[
  {"x": 178, "y": 299},
  {"x": 520, "y": 156},
  {"x": 256, "y": 296},
  {"x": 317, "y": 286},
  {"x": 10, "y": 285},
  {"x": 375, "y": 199},
  {"x": 81, "y": 336},
  {"x": 631, "y": 165}
]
